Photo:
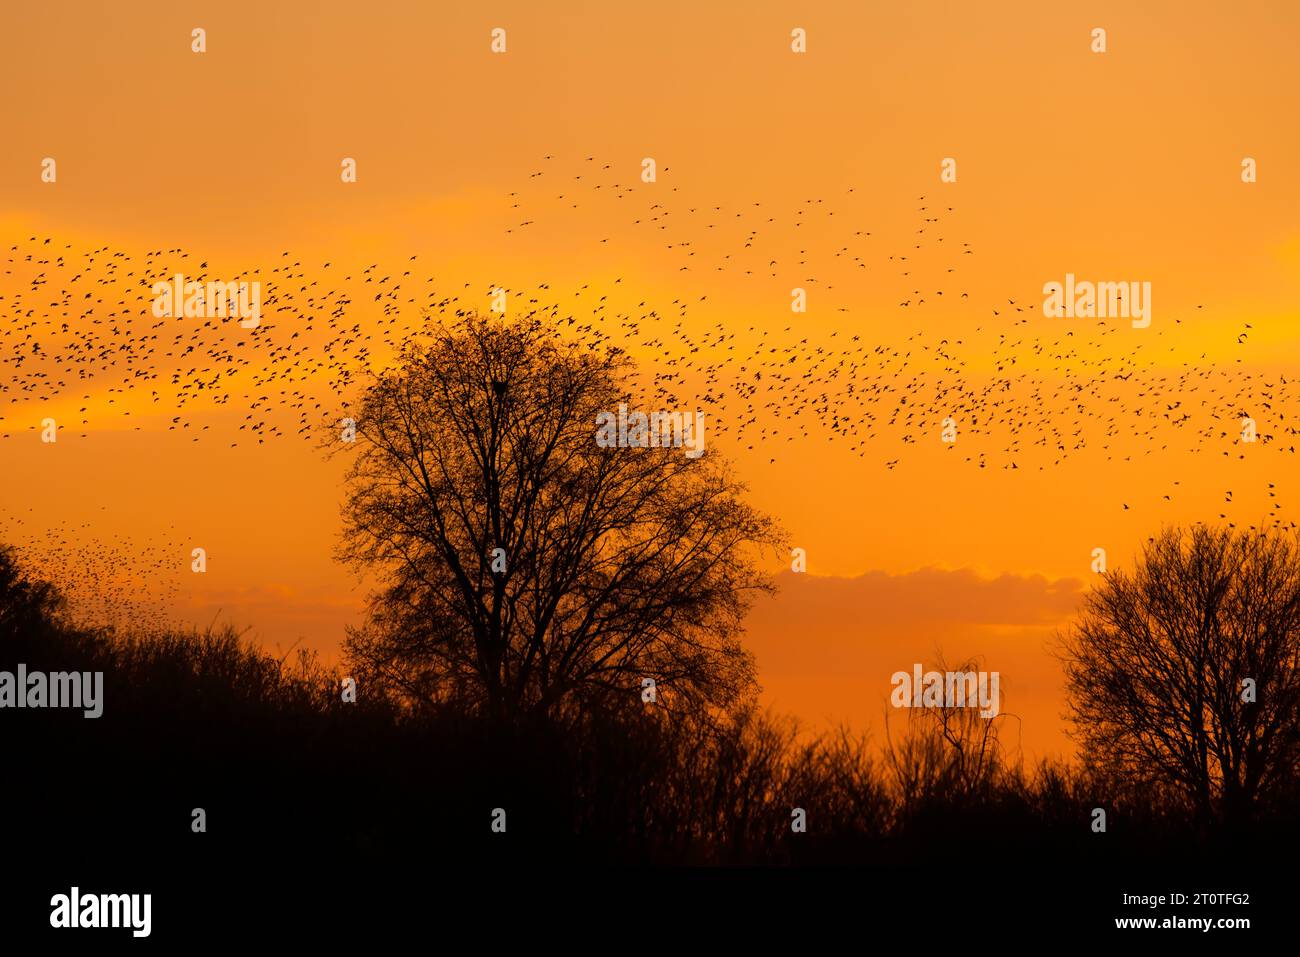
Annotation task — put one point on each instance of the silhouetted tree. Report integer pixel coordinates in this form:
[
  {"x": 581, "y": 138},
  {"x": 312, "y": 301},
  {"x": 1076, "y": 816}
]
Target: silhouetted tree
[
  {"x": 1160, "y": 666},
  {"x": 30, "y": 608},
  {"x": 947, "y": 752},
  {"x": 524, "y": 566}
]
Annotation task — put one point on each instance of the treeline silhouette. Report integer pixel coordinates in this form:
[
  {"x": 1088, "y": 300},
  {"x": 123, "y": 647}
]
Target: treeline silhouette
[{"x": 290, "y": 774}]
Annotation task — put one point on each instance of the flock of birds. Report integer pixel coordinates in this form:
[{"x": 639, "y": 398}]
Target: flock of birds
[
  {"x": 79, "y": 340},
  {"x": 127, "y": 582}
]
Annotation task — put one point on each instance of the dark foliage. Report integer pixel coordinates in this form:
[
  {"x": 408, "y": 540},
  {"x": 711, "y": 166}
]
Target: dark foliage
[{"x": 293, "y": 777}]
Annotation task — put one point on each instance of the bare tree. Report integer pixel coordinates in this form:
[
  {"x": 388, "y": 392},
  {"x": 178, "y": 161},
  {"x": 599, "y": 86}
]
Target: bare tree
[
  {"x": 949, "y": 750},
  {"x": 1188, "y": 670},
  {"x": 524, "y": 566}
]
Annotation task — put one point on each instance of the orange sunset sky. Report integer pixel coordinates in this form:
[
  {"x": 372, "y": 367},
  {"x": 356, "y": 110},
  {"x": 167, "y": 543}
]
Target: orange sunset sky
[{"x": 773, "y": 168}]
